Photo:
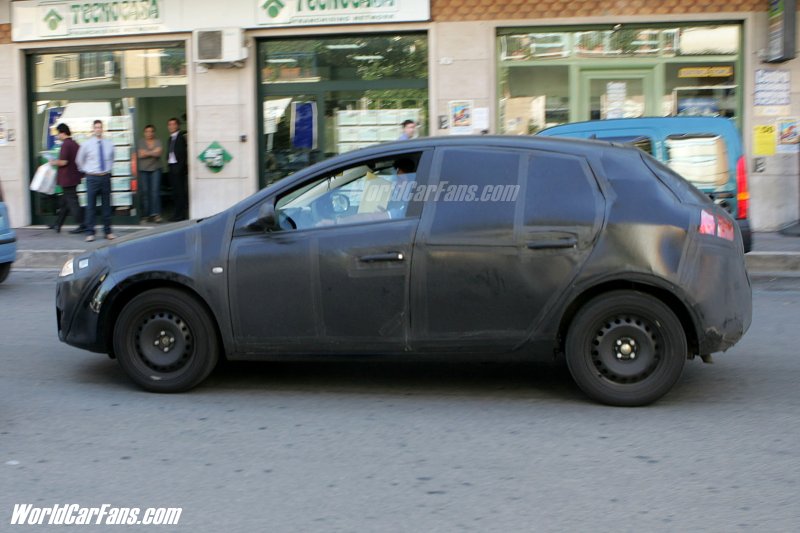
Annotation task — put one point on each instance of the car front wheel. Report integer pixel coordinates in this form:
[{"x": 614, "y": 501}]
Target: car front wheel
[
  {"x": 165, "y": 341},
  {"x": 626, "y": 348}
]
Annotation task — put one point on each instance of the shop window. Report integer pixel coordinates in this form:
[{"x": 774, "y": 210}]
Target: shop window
[
  {"x": 344, "y": 58},
  {"x": 534, "y": 98},
  {"x": 61, "y": 68},
  {"x": 548, "y": 78},
  {"x": 323, "y": 97},
  {"x": 75, "y": 88},
  {"x": 127, "y": 69}
]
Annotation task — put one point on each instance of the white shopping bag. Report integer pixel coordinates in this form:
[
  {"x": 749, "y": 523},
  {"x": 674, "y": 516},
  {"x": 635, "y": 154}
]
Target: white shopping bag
[{"x": 44, "y": 181}]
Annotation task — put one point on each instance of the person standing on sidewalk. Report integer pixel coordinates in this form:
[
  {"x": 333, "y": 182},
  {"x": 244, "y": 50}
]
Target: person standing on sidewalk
[
  {"x": 178, "y": 166},
  {"x": 149, "y": 164},
  {"x": 408, "y": 129},
  {"x": 68, "y": 177},
  {"x": 96, "y": 159}
]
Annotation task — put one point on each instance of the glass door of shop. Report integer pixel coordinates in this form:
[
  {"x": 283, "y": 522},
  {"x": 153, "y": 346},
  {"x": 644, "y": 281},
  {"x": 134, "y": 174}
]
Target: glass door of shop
[
  {"x": 328, "y": 95},
  {"x": 623, "y": 93},
  {"x": 126, "y": 90}
]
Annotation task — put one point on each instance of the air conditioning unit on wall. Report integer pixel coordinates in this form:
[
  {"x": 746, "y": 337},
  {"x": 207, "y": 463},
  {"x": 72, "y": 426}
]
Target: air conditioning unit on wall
[{"x": 219, "y": 46}]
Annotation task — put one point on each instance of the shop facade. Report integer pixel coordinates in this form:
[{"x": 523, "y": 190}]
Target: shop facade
[
  {"x": 286, "y": 86},
  {"x": 313, "y": 79}
]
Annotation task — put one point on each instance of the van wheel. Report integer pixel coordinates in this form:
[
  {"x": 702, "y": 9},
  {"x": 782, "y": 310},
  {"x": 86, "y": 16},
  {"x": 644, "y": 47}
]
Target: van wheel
[
  {"x": 5, "y": 268},
  {"x": 165, "y": 341},
  {"x": 626, "y": 348}
]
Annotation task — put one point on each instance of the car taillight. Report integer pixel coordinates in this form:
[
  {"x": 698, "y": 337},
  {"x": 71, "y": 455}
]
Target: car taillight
[
  {"x": 742, "y": 194},
  {"x": 716, "y": 225}
]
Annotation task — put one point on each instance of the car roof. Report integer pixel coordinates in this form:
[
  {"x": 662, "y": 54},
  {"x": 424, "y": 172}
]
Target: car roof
[{"x": 524, "y": 142}]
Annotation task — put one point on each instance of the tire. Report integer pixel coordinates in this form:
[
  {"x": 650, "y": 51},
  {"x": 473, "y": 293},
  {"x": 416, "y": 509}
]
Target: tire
[
  {"x": 187, "y": 348},
  {"x": 611, "y": 369},
  {"x": 5, "y": 268}
]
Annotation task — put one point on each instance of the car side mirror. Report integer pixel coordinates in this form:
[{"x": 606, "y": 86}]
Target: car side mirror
[{"x": 267, "y": 219}]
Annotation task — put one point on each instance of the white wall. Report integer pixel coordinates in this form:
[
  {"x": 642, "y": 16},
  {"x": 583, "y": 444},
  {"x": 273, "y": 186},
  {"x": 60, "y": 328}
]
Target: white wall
[
  {"x": 222, "y": 108},
  {"x": 461, "y": 68},
  {"x": 12, "y": 155},
  {"x": 5, "y": 11}
]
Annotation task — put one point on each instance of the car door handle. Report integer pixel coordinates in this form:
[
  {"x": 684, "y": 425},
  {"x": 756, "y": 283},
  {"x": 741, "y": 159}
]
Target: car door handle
[
  {"x": 388, "y": 256},
  {"x": 563, "y": 242}
]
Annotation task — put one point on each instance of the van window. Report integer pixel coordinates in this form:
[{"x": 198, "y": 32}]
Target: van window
[
  {"x": 476, "y": 194},
  {"x": 701, "y": 159},
  {"x": 685, "y": 191}
]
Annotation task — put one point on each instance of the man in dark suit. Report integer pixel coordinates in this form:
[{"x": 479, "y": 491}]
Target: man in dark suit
[{"x": 177, "y": 157}]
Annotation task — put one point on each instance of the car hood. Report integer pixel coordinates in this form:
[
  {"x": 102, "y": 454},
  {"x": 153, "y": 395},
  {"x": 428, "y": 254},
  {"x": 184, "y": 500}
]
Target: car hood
[
  {"x": 171, "y": 247},
  {"x": 147, "y": 233}
]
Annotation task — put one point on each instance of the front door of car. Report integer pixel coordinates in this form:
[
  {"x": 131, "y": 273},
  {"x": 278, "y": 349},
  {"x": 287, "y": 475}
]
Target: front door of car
[
  {"x": 499, "y": 242},
  {"x": 335, "y": 277}
]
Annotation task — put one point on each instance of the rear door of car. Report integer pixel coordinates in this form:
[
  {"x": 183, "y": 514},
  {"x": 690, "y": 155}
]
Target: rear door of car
[{"x": 488, "y": 263}]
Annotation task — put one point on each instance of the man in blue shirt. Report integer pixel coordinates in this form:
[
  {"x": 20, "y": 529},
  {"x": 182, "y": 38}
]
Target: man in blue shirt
[
  {"x": 409, "y": 127},
  {"x": 96, "y": 159}
]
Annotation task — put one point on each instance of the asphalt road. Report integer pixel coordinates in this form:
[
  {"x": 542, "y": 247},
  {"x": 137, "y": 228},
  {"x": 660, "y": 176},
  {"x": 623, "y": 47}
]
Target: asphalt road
[{"x": 399, "y": 446}]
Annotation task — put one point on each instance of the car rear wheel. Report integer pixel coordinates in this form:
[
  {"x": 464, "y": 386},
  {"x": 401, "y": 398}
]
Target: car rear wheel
[
  {"x": 165, "y": 341},
  {"x": 5, "y": 268},
  {"x": 626, "y": 348}
]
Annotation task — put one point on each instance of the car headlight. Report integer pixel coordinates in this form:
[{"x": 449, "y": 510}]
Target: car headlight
[{"x": 68, "y": 269}]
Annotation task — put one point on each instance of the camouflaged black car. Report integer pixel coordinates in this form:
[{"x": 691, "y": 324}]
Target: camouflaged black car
[{"x": 539, "y": 246}]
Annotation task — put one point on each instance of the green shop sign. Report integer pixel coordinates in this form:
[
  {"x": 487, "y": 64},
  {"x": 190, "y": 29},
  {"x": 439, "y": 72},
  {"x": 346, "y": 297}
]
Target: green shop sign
[
  {"x": 100, "y": 17},
  {"x": 314, "y": 12},
  {"x": 114, "y": 11},
  {"x": 215, "y": 157}
]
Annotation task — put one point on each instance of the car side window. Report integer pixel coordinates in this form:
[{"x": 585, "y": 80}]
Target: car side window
[
  {"x": 367, "y": 191},
  {"x": 476, "y": 195},
  {"x": 560, "y": 190}
]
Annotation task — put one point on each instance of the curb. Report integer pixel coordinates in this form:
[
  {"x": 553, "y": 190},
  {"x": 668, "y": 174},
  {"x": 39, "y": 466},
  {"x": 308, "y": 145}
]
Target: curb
[
  {"x": 773, "y": 261},
  {"x": 762, "y": 262},
  {"x": 43, "y": 259}
]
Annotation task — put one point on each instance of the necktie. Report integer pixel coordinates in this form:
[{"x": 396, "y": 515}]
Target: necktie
[{"x": 100, "y": 156}]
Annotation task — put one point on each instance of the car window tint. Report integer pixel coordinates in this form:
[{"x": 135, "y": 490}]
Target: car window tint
[
  {"x": 683, "y": 188},
  {"x": 367, "y": 191},
  {"x": 639, "y": 191},
  {"x": 476, "y": 195},
  {"x": 559, "y": 191}
]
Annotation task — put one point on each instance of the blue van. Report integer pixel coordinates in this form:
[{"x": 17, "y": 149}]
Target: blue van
[
  {"x": 706, "y": 151},
  {"x": 8, "y": 241}
]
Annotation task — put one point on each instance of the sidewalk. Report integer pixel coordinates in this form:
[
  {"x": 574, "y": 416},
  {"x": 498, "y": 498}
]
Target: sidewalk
[
  {"x": 42, "y": 248},
  {"x": 39, "y": 247}
]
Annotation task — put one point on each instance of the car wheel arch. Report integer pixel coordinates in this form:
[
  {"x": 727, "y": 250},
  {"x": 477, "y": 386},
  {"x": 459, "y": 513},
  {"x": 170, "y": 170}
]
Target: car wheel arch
[
  {"x": 674, "y": 302},
  {"x": 124, "y": 291}
]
